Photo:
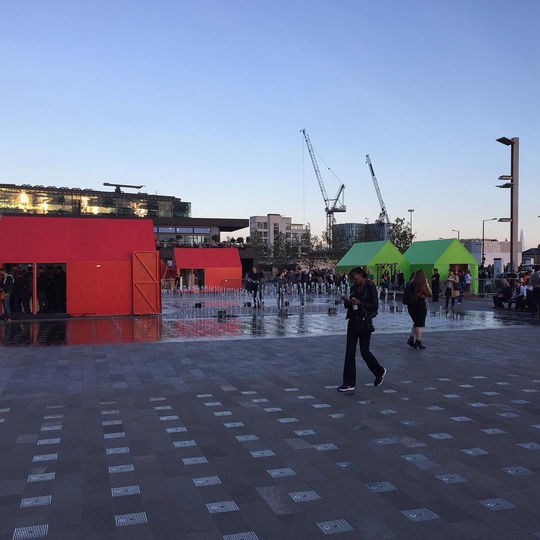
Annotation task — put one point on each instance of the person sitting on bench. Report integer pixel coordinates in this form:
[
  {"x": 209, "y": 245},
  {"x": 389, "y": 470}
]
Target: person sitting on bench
[{"x": 504, "y": 294}]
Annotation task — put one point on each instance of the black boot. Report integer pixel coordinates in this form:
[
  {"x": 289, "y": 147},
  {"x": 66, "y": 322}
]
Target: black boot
[
  {"x": 410, "y": 342},
  {"x": 419, "y": 345}
]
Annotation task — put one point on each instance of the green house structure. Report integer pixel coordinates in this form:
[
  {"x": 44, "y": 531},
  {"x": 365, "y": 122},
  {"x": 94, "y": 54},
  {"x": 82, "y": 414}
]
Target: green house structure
[
  {"x": 374, "y": 256},
  {"x": 445, "y": 255}
]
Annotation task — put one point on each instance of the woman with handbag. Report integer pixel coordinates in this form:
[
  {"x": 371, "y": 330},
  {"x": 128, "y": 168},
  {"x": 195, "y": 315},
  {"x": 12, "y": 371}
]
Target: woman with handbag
[
  {"x": 418, "y": 308},
  {"x": 362, "y": 305}
]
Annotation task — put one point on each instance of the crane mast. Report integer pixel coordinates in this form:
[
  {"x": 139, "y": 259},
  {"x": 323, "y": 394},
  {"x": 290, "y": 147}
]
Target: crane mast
[
  {"x": 331, "y": 205},
  {"x": 383, "y": 216}
]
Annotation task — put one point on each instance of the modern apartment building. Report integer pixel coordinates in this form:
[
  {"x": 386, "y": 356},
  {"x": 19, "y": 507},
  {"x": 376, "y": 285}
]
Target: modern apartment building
[{"x": 271, "y": 225}]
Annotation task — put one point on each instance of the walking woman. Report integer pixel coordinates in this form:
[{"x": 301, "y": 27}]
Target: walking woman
[
  {"x": 362, "y": 305},
  {"x": 418, "y": 308}
]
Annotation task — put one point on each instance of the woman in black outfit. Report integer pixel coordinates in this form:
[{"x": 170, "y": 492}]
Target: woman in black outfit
[
  {"x": 362, "y": 302},
  {"x": 418, "y": 308}
]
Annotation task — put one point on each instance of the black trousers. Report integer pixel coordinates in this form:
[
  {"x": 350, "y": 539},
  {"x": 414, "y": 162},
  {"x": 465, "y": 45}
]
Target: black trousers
[{"x": 349, "y": 368}]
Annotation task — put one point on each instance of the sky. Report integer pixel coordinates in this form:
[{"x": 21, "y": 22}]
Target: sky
[{"x": 205, "y": 100}]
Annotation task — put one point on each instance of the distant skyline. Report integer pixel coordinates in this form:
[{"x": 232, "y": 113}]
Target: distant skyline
[{"x": 205, "y": 100}]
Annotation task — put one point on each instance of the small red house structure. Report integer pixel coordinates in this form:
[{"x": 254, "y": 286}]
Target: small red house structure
[
  {"x": 111, "y": 265},
  {"x": 208, "y": 267}
]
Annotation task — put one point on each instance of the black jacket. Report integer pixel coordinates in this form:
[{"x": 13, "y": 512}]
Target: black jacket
[{"x": 369, "y": 300}]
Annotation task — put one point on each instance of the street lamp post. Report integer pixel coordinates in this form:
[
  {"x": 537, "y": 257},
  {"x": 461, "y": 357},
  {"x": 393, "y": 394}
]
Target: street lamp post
[
  {"x": 512, "y": 183},
  {"x": 411, "y": 210},
  {"x": 483, "y": 239},
  {"x": 455, "y": 230}
]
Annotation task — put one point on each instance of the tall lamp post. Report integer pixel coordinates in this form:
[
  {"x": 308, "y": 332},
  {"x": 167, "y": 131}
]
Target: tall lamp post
[
  {"x": 455, "y": 230},
  {"x": 483, "y": 239},
  {"x": 411, "y": 210},
  {"x": 512, "y": 183}
]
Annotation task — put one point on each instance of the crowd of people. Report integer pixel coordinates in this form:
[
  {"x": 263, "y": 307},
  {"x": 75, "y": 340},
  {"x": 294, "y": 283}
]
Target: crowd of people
[
  {"x": 17, "y": 290},
  {"x": 525, "y": 295}
]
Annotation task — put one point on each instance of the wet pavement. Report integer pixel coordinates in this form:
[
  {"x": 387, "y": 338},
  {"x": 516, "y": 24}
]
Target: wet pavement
[
  {"x": 247, "y": 438},
  {"x": 213, "y": 316}
]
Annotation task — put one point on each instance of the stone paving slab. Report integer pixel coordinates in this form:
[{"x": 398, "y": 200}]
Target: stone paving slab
[{"x": 249, "y": 439}]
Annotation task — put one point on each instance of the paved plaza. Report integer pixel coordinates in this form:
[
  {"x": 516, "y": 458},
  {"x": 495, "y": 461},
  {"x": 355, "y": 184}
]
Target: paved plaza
[{"x": 248, "y": 439}]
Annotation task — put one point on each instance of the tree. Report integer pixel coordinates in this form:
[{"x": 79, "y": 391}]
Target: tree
[
  {"x": 261, "y": 248},
  {"x": 402, "y": 236}
]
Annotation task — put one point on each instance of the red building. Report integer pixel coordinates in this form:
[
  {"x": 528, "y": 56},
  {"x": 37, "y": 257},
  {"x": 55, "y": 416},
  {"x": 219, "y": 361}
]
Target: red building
[
  {"x": 111, "y": 265},
  {"x": 214, "y": 267}
]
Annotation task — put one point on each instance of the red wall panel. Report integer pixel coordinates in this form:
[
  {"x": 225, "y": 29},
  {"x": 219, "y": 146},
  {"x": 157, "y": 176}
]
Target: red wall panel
[{"x": 99, "y": 288}]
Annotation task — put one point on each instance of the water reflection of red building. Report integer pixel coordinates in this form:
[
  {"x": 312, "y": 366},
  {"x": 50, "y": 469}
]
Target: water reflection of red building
[{"x": 112, "y": 330}]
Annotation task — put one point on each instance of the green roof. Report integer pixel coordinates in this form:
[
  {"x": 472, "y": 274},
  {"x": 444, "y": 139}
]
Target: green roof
[
  {"x": 369, "y": 253},
  {"x": 430, "y": 251}
]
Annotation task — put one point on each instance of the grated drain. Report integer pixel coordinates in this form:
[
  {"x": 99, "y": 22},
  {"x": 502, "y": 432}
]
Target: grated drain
[
  {"x": 244, "y": 438},
  {"x": 380, "y": 487},
  {"x": 517, "y": 471},
  {"x": 117, "y": 435},
  {"x": 184, "y": 444},
  {"x": 119, "y": 450},
  {"x": 207, "y": 481},
  {"x": 40, "y": 477},
  {"x": 130, "y": 519},
  {"x": 452, "y": 478},
  {"x": 194, "y": 460},
  {"x": 304, "y": 432},
  {"x": 304, "y": 496},
  {"x": 48, "y": 441},
  {"x": 498, "y": 504},
  {"x": 125, "y": 490},
  {"x": 220, "y": 507},
  {"x": 241, "y": 536},
  {"x": 44, "y": 457},
  {"x": 475, "y": 452},
  {"x": 420, "y": 514},
  {"x": 121, "y": 468},
  {"x": 176, "y": 429},
  {"x": 36, "y": 501},
  {"x": 276, "y": 473},
  {"x": 325, "y": 447},
  {"x": 25, "y": 533},
  {"x": 262, "y": 453},
  {"x": 335, "y": 526}
]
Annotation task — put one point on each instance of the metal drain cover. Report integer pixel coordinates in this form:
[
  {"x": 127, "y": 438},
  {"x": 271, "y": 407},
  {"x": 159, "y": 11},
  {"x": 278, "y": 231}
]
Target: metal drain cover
[{"x": 336, "y": 526}]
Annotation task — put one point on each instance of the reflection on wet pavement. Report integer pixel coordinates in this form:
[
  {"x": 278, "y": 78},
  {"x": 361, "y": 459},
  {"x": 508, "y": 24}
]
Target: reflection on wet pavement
[{"x": 214, "y": 317}]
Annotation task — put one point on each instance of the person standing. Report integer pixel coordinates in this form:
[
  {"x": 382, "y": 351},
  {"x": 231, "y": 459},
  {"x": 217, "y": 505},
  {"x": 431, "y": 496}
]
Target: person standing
[
  {"x": 254, "y": 282},
  {"x": 435, "y": 284},
  {"x": 362, "y": 305},
  {"x": 42, "y": 288},
  {"x": 6, "y": 286},
  {"x": 534, "y": 282},
  {"x": 418, "y": 308},
  {"x": 452, "y": 288}
]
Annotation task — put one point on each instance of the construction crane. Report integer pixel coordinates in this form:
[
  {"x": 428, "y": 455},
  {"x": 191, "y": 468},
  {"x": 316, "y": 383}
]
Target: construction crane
[
  {"x": 383, "y": 218},
  {"x": 331, "y": 205},
  {"x": 118, "y": 186}
]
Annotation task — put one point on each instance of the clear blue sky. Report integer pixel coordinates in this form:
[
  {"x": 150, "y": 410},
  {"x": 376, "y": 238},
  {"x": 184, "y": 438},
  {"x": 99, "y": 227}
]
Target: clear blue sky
[{"x": 205, "y": 100}]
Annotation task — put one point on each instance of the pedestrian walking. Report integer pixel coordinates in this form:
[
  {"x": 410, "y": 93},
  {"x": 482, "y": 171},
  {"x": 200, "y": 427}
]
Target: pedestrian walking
[
  {"x": 418, "y": 308},
  {"x": 362, "y": 305},
  {"x": 435, "y": 284}
]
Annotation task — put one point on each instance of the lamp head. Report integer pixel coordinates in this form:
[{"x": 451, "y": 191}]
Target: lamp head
[{"x": 506, "y": 141}]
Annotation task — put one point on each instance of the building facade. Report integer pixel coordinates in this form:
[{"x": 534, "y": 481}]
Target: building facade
[
  {"x": 347, "y": 234},
  {"x": 173, "y": 224},
  {"x": 272, "y": 225}
]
